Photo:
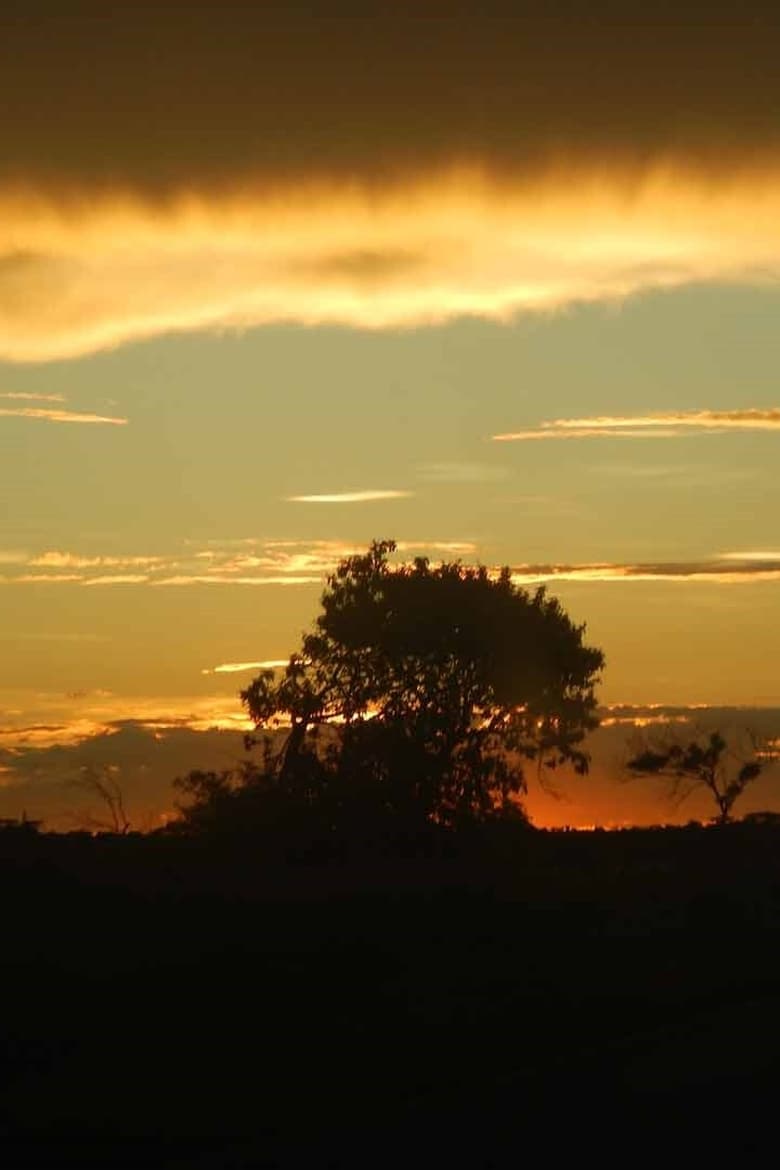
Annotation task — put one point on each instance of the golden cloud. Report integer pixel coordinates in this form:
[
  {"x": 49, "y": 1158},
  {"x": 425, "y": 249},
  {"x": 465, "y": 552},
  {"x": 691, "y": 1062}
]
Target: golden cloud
[
  {"x": 117, "y": 579},
  {"x": 212, "y": 579},
  {"x": 25, "y": 397},
  {"x": 714, "y": 572},
  {"x": 248, "y": 561},
  {"x": 663, "y": 425},
  {"x": 84, "y": 274},
  {"x": 362, "y": 497},
  {"x": 240, "y": 667},
  {"x": 48, "y": 720},
  {"x": 298, "y": 562},
  {"x": 61, "y": 416},
  {"x": 76, "y": 561}
]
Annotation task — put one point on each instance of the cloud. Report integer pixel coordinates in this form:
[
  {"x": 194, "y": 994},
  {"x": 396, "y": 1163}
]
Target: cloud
[
  {"x": 50, "y": 720},
  {"x": 31, "y": 578},
  {"x": 765, "y": 556},
  {"x": 284, "y": 97},
  {"x": 103, "y": 269},
  {"x": 520, "y": 163},
  {"x": 76, "y": 561},
  {"x": 61, "y": 416},
  {"x": 292, "y": 563},
  {"x": 663, "y": 425},
  {"x": 239, "y": 667},
  {"x": 248, "y": 561},
  {"x": 34, "y": 397},
  {"x": 118, "y": 579},
  {"x": 212, "y": 579},
  {"x": 350, "y": 497},
  {"x": 449, "y": 547},
  {"x": 38, "y": 735},
  {"x": 718, "y": 571}
]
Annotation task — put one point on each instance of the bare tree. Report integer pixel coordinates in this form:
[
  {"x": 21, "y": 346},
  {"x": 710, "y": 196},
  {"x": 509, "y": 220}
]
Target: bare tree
[
  {"x": 104, "y": 785},
  {"x": 710, "y": 762}
]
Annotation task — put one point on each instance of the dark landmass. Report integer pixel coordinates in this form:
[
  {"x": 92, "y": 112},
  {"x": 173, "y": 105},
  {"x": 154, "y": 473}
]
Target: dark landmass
[{"x": 458, "y": 999}]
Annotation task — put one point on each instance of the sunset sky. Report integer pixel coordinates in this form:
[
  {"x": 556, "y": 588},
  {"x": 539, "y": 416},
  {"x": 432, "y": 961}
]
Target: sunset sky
[{"x": 272, "y": 285}]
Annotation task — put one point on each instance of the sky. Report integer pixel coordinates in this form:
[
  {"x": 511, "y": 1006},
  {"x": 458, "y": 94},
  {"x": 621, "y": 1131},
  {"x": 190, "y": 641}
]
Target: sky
[{"x": 274, "y": 284}]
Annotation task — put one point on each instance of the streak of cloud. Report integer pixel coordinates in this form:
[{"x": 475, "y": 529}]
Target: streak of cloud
[
  {"x": 117, "y": 579},
  {"x": 663, "y": 425},
  {"x": 766, "y": 555},
  {"x": 65, "y": 720},
  {"x": 25, "y": 397},
  {"x": 212, "y": 579},
  {"x": 63, "y": 560},
  {"x": 363, "y": 497},
  {"x": 249, "y": 561},
  {"x": 50, "y": 578},
  {"x": 240, "y": 667},
  {"x": 61, "y": 416},
  {"x": 712, "y": 572}
]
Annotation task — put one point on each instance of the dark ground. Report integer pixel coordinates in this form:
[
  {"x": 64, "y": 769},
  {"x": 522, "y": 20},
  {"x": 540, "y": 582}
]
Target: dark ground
[{"x": 524, "y": 997}]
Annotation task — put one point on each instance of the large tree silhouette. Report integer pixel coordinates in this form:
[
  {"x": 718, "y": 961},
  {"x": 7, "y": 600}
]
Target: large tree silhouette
[{"x": 422, "y": 691}]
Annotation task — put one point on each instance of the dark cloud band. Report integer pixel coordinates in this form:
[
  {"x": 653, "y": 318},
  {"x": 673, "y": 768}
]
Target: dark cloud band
[{"x": 157, "y": 100}]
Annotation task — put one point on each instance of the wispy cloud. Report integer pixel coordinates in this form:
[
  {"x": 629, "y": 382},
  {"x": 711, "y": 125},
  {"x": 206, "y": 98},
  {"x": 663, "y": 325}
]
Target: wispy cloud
[
  {"x": 663, "y": 425},
  {"x": 728, "y": 570},
  {"x": 249, "y": 561},
  {"x": 63, "y": 560},
  {"x": 22, "y": 396},
  {"x": 30, "y": 578},
  {"x": 362, "y": 497},
  {"x": 118, "y": 579},
  {"x": 239, "y": 667},
  {"x": 213, "y": 579},
  {"x": 292, "y": 563},
  {"x": 61, "y": 416},
  {"x": 48, "y": 720},
  {"x": 765, "y": 555},
  {"x": 448, "y": 547}
]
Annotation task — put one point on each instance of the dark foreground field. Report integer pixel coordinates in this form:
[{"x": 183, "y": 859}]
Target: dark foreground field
[{"x": 170, "y": 1002}]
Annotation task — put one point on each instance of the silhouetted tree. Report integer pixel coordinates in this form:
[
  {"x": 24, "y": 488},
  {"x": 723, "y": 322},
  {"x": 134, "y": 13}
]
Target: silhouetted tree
[
  {"x": 708, "y": 763},
  {"x": 228, "y": 800},
  {"x": 104, "y": 785},
  {"x": 422, "y": 691},
  {"x": 206, "y": 794}
]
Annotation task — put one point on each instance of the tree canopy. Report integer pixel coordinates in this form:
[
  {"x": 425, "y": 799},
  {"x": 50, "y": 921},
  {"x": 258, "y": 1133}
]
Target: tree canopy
[{"x": 422, "y": 690}]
